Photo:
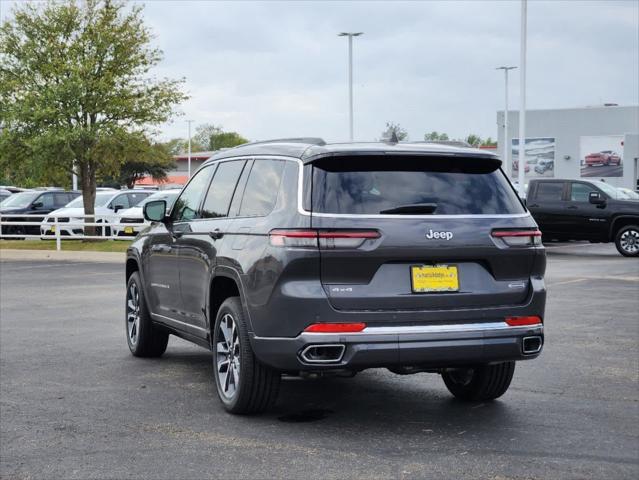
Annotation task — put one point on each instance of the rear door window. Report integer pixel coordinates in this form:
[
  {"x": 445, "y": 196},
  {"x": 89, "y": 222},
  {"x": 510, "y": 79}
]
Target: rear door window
[
  {"x": 262, "y": 188},
  {"x": 218, "y": 198},
  {"x": 549, "y": 191},
  {"x": 412, "y": 185}
]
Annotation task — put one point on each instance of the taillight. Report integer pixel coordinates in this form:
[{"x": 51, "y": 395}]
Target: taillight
[
  {"x": 324, "y": 239},
  {"x": 518, "y": 238},
  {"x": 523, "y": 321},
  {"x": 293, "y": 238},
  {"x": 335, "y": 328}
]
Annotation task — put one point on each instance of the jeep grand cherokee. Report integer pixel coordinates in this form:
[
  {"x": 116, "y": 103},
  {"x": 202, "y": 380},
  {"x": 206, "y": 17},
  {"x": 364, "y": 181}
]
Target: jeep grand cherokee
[{"x": 298, "y": 256}]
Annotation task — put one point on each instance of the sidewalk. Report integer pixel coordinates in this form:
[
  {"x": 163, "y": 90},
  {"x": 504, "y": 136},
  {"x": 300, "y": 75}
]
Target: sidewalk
[{"x": 75, "y": 256}]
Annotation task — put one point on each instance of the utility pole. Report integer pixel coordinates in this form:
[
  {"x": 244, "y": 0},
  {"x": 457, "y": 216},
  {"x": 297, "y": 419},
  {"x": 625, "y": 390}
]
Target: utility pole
[
  {"x": 522, "y": 105},
  {"x": 189, "y": 161},
  {"x": 506, "y": 146},
  {"x": 350, "y": 36}
]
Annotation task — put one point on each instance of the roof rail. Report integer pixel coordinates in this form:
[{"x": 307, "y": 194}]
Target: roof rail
[{"x": 309, "y": 140}]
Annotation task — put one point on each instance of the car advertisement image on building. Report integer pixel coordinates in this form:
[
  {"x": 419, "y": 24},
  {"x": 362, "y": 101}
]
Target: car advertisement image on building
[
  {"x": 601, "y": 156},
  {"x": 540, "y": 157}
]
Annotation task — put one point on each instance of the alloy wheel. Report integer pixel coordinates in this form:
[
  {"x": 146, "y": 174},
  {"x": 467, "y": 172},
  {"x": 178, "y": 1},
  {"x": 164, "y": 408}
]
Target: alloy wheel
[
  {"x": 228, "y": 356},
  {"x": 629, "y": 241},
  {"x": 133, "y": 313}
]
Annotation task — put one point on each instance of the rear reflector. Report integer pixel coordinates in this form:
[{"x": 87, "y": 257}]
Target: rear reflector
[
  {"x": 518, "y": 238},
  {"x": 324, "y": 239},
  {"x": 335, "y": 328},
  {"x": 522, "y": 321}
]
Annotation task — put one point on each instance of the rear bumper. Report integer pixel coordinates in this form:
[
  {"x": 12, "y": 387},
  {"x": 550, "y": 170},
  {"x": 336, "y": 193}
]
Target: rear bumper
[{"x": 427, "y": 346}]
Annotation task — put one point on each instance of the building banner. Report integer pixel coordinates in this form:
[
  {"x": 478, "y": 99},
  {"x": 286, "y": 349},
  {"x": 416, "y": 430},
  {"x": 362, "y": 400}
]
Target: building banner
[
  {"x": 539, "y": 157},
  {"x": 601, "y": 156}
]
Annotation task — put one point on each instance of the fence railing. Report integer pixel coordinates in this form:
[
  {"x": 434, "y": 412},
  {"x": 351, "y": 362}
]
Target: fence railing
[{"x": 19, "y": 226}]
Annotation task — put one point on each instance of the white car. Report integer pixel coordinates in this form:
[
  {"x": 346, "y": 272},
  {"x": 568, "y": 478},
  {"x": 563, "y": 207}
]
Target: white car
[
  {"x": 131, "y": 221},
  {"x": 628, "y": 194},
  {"x": 107, "y": 205}
]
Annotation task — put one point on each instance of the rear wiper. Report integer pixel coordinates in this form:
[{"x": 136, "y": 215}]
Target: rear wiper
[{"x": 412, "y": 208}]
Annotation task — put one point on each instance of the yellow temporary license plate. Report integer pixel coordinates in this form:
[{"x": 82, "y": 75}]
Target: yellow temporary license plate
[
  {"x": 434, "y": 278},
  {"x": 128, "y": 229},
  {"x": 53, "y": 229}
]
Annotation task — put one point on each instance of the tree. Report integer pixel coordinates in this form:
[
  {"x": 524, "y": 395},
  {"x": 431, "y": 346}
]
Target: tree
[
  {"x": 142, "y": 157},
  {"x": 203, "y": 134},
  {"x": 395, "y": 128},
  {"x": 489, "y": 142},
  {"x": 474, "y": 140},
  {"x": 180, "y": 146},
  {"x": 222, "y": 139},
  {"x": 435, "y": 136},
  {"x": 75, "y": 78}
]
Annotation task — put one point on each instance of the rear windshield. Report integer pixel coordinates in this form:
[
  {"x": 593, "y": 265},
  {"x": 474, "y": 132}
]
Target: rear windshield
[{"x": 422, "y": 186}]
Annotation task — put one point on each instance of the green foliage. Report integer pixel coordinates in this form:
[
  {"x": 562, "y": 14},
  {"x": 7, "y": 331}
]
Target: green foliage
[
  {"x": 75, "y": 85},
  {"x": 473, "y": 140},
  {"x": 396, "y": 129},
  {"x": 435, "y": 136},
  {"x": 226, "y": 140},
  {"x": 180, "y": 146},
  {"x": 202, "y": 137}
]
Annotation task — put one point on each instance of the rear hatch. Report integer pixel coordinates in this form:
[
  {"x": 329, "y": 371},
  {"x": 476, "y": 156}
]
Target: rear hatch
[{"x": 421, "y": 233}]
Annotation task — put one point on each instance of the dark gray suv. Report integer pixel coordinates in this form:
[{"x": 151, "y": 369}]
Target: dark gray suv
[{"x": 300, "y": 257}]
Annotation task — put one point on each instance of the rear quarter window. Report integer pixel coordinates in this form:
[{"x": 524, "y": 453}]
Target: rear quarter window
[
  {"x": 262, "y": 188},
  {"x": 451, "y": 186}
]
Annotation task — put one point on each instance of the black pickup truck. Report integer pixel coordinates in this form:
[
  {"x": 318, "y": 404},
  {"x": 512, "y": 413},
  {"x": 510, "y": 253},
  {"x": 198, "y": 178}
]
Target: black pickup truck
[{"x": 585, "y": 210}]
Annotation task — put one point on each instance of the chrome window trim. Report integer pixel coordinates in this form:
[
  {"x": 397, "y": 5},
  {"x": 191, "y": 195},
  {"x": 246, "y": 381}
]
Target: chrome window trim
[{"x": 302, "y": 211}]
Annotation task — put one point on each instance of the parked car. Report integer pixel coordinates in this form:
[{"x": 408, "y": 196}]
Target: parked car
[
  {"x": 605, "y": 157},
  {"x": 585, "y": 210},
  {"x": 4, "y": 194},
  {"x": 34, "y": 204},
  {"x": 296, "y": 257},
  {"x": 628, "y": 193},
  {"x": 516, "y": 166},
  {"x": 543, "y": 165},
  {"x": 131, "y": 220},
  {"x": 107, "y": 204}
]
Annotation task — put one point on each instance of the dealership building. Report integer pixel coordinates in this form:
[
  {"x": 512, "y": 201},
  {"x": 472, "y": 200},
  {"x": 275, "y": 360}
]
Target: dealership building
[{"x": 600, "y": 142}]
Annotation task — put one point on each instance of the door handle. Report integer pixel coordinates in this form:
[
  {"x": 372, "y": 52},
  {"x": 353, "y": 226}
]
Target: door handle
[
  {"x": 216, "y": 234},
  {"x": 534, "y": 205},
  {"x": 572, "y": 207},
  {"x": 160, "y": 248}
]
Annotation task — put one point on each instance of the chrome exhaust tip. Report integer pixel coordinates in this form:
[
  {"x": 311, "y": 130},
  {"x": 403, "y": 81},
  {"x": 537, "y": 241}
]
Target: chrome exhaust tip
[
  {"x": 530, "y": 345},
  {"x": 327, "y": 353}
]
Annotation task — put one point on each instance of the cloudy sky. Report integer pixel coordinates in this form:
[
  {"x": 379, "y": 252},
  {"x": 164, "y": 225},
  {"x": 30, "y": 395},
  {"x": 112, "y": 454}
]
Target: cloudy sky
[{"x": 278, "y": 69}]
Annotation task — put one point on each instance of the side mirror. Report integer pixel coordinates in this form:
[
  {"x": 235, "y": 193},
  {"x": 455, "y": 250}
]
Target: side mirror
[
  {"x": 596, "y": 198},
  {"x": 117, "y": 207},
  {"x": 155, "y": 211},
  {"x": 37, "y": 205}
]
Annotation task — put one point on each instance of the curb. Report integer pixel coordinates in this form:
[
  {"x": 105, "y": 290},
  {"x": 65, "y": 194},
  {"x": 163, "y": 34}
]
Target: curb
[{"x": 30, "y": 255}]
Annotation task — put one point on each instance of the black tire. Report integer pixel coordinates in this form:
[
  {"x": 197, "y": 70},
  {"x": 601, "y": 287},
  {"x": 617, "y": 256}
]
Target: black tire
[
  {"x": 627, "y": 241},
  {"x": 258, "y": 384},
  {"x": 143, "y": 337},
  {"x": 481, "y": 383}
]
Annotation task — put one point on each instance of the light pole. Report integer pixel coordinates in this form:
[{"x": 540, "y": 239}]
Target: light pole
[
  {"x": 189, "y": 158},
  {"x": 506, "y": 141},
  {"x": 350, "y": 36},
  {"x": 522, "y": 103}
]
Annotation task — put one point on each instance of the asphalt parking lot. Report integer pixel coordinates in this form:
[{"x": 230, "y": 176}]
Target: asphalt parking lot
[{"x": 75, "y": 404}]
